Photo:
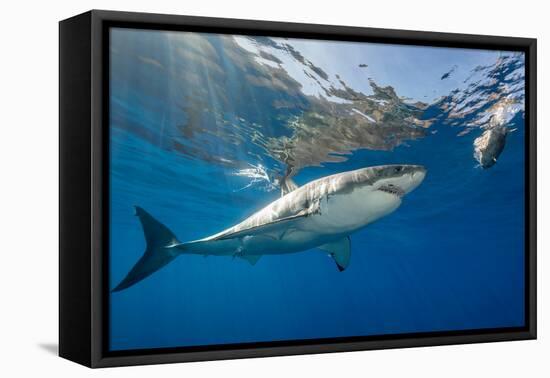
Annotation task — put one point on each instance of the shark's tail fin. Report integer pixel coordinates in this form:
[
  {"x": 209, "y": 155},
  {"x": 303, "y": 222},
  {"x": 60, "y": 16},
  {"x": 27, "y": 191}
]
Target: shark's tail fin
[{"x": 158, "y": 252}]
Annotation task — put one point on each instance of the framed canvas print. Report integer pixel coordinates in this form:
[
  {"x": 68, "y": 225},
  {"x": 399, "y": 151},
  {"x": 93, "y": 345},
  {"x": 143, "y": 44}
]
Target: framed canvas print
[{"x": 234, "y": 188}]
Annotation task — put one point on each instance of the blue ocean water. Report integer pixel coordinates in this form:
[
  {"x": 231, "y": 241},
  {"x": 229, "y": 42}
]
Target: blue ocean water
[{"x": 450, "y": 258}]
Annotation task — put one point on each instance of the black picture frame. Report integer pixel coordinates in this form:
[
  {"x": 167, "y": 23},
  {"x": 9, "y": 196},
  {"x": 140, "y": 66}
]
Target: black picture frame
[{"x": 83, "y": 181}]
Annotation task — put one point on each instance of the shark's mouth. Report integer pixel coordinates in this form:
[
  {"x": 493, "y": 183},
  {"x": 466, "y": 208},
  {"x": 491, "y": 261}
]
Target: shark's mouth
[{"x": 392, "y": 189}]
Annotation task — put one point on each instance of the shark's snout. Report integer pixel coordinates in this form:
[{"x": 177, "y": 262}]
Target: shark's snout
[{"x": 417, "y": 176}]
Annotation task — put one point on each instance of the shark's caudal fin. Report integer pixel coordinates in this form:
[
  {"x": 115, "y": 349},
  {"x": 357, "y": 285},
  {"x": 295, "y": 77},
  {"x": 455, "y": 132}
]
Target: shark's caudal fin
[{"x": 157, "y": 254}]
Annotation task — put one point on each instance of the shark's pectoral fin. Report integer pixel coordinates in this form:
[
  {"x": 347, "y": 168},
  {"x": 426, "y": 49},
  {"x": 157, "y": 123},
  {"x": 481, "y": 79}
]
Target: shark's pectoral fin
[
  {"x": 252, "y": 259},
  {"x": 340, "y": 251},
  {"x": 271, "y": 229}
]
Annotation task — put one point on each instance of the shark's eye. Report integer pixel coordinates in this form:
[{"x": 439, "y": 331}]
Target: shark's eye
[{"x": 397, "y": 169}]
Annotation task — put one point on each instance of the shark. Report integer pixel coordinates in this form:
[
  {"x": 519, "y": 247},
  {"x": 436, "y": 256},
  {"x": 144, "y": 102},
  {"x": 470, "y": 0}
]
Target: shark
[
  {"x": 321, "y": 214},
  {"x": 489, "y": 146}
]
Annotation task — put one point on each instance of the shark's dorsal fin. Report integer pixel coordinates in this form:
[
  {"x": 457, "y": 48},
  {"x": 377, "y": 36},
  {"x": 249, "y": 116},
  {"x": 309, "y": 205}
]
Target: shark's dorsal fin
[
  {"x": 340, "y": 251},
  {"x": 287, "y": 185},
  {"x": 252, "y": 259}
]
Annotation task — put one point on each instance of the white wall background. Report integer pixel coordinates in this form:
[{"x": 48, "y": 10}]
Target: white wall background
[{"x": 29, "y": 174}]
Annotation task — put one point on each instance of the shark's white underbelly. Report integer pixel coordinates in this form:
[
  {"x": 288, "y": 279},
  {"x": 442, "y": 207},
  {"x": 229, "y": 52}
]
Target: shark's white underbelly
[
  {"x": 346, "y": 213},
  {"x": 338, "y": 216}
]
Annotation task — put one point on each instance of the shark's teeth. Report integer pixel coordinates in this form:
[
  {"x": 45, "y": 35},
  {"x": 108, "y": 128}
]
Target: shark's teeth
[{"x": 392, "y": 189}]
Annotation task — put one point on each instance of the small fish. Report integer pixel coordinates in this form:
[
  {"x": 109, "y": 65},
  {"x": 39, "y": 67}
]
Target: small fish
[{"x": 448, "y": 74}]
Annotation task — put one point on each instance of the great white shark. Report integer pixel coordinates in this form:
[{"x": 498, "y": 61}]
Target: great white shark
[{"x": 321, "y": 214}]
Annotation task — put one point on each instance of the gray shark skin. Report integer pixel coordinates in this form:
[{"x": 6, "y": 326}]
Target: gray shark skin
[
  {"x": 321, "y": 214},
  {"x": 489, "y": 146}
]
